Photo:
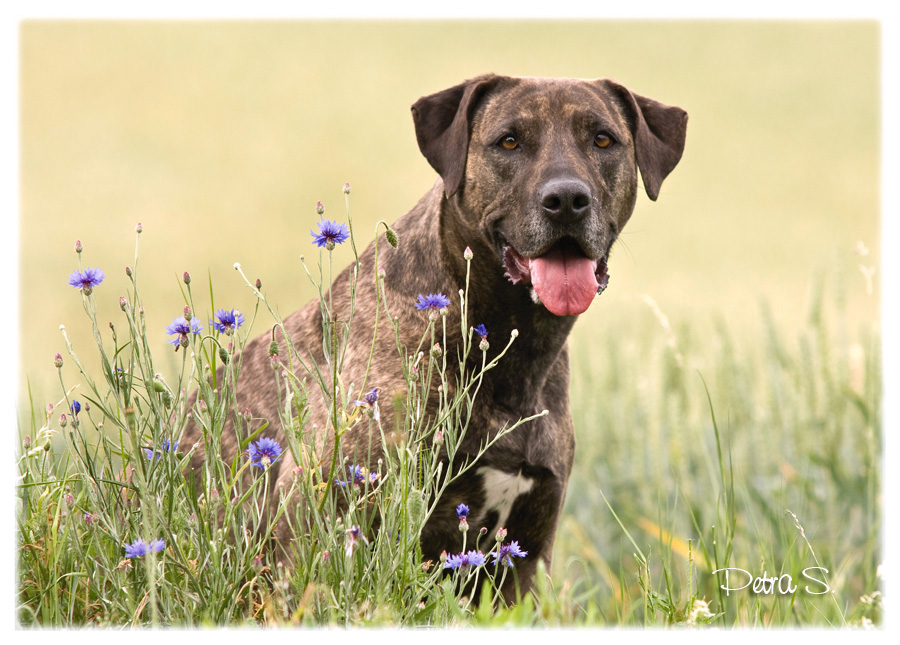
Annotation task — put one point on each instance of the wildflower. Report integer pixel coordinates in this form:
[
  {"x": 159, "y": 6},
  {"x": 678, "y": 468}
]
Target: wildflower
[
  {"x": 330, "y": 233},
  {"x": 462, "y": 512},
  {"x": 62, "y": 421},
  {"x": 258, "y": 284},
  {"x": 140, "y": 548},
  {"x": 123, "y": 305},
  {"x": 436, "y": 351},
  {"x": 481, "y": 330},
  {"x": 320, "y": 208},
  {"x": 468, "y": 255},
  {"x": 75, "y": 408},
  {"x": 357, "y": 476},
  {"x": 86, "y": 280},
  {"x": 432, "y": 302},
  {"x": 139, "y": 228},
  {"x": 78, "y": 247},
  {"x": 508, "y": 552},
  {"x": 264, "y": 452},
  {"x": 227, "y": 321},
  {"x": 180, "y": 328},
  {"x": 70, "y": 499},
  {"x": 128, "y": 272},
  {"x": 354, "y": 535},
  {"x": 438, "y": 437},
  {"x": 188, "y": 314},
  {"x": 370, "y": 402},
  {"x": 167, "y": 446},
  {"x": 464, "y": 560},
  {"x": 186, "y": 277},
  {"x": 88, "y": 518},
  {"x": 346, "y": 189},
  {"x": 501, "y": 534},
  {"x": 700, "y": 613},
  {"x": 58, "y": 360}
]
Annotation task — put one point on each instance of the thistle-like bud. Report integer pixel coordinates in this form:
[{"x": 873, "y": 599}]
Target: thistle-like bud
[
  {"x": 47, "y": 447},
  {"x": 184, "y": 342},
  {"x": 63, "y": 421},
  {"x": 346, "y": 189},
  {"x": 78, "y": 247},
  {"x": 247, "y": 415},
  {"x": 501, "y": 534},
  {"x": 139, "y": 228},
  {"x": 26, "y": 443},
  {"x": 439, "y": 437},
  {"x": 468, "y": 255},
  {"x": 258, "y": 284},
  {"x": 273, "y": 348},
  {"x": 186, "y": 277},
  {"x": 391, "y": 237},
  {"x": 58, "y": 360},
  {"x": 320, "y": 208},
  {"x": 484, "y": 345},
  {"x": 158, "y": 385},
  {"x": 436, "y": 351},
  {"x": 128, "y": 272},
  {"x": 463, "y": 525},
  {"x": 123, "y": 304},
  {"x": 223, "y": 355}
]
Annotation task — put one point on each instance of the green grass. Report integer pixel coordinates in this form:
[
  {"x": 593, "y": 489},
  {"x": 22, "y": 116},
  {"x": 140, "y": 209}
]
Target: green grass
[{"x": 696, "y": 452}]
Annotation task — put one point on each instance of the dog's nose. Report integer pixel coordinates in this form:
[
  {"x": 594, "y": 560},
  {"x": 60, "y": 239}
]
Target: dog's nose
[{"x": 565, "y": 200}]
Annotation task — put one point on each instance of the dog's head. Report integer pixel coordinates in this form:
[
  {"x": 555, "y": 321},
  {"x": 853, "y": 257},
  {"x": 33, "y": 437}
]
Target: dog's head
[{"x": 549, "y": 167}]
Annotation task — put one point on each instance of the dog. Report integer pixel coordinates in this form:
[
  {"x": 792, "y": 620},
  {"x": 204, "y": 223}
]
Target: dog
[{"x": 538, "y": 177}]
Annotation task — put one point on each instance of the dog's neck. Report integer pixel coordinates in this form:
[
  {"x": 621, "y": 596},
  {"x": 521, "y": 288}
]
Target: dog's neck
[{"x": 500, "y": 306}]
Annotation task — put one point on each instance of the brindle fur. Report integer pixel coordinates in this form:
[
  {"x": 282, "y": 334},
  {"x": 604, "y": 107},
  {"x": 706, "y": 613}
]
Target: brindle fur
[{"x": 487, "y": 197}]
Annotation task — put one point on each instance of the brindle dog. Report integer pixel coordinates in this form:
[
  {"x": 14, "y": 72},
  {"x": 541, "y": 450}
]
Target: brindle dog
[{"x": 538, "y": 177}]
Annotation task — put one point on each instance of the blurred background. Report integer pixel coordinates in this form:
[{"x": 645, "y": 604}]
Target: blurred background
[{"x": 219, "y": 137}]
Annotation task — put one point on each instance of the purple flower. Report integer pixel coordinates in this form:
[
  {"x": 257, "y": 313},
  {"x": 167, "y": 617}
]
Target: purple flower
[
  {"x": 508, "y": 552},
  {"x": 481, "y": 331},
  {"x": 330, "y": 233},
  {"x": 140, "y": 548},
  {"x": 180, "y": 328},
  {"x": 167, "y": 446},
  {"x": 76, "y": 408},
  {"x": 264, "y": 452},
  {"x": 86, "y": 280},
  {"x": 463, "y": 560},
  {"x": 369, "y": 399},
  {"x": 462, "y": 511},
  {"x": 357, "y": 476},
  {"x": 433, "y": 301},
  {"x": 227, "y": 321}
]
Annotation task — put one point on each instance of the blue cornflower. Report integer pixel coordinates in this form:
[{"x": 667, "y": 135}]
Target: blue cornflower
[
  {"x": 167, "y": 446},
  {"x": 369, "y": 399},
  {"x": 227, "y": 321},
  {"x": 433, "y": 301},
  {"x": 357, "y": 476},
  {"x": 76, "y": 408},
  {"x": 481, "y": 330},
  {"x": 462, "y": 560},
  {"x": 86, "y": 280},
  {"x": 462, "y": 511},
  {"x": 330, "y": 233},
  {"x": 508, "y": 552},
  {"x": 180, "y": 328},
  {"x": 264, "y": 452},
  {"x": 141, "y": 548}
]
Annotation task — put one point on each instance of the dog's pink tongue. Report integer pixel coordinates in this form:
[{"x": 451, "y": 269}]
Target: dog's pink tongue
[{"x": 564, "y": 280}]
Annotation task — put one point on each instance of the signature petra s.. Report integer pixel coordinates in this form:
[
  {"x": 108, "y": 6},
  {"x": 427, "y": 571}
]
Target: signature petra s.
[{"x": 769, "y": 585}]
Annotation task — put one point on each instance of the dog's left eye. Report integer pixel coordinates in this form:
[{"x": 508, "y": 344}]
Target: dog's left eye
[
  {"x": 603, "y": 140},
  {"x": 508, "y": 142}
]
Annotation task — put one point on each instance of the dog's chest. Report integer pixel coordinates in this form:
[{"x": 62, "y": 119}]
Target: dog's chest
[{"x": 500, "y": 490}]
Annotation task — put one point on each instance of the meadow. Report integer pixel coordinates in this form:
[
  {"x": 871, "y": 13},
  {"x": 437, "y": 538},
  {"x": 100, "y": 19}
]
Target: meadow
[{"x": 726, "y": 389}]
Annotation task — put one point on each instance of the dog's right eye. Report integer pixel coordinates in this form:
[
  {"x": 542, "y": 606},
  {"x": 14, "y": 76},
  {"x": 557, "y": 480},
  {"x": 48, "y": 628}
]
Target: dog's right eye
[{"x": 508, "y": 142}]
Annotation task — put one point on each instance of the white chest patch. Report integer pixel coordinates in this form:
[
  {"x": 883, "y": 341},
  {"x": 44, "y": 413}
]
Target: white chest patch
[{"x": 501, "y": 489}]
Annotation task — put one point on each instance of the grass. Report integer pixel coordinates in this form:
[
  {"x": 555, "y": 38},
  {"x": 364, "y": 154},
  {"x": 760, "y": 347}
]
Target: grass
[{"x": 697, "y": 452}]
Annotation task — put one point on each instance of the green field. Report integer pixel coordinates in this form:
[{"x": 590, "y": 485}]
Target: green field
[{"x": 220, "y": 137}]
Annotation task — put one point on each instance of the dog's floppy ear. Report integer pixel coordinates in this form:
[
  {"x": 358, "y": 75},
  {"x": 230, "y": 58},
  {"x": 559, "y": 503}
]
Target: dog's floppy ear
[
  {"x": 658, "y": 130},
  {"x": 442, "y": 127}
]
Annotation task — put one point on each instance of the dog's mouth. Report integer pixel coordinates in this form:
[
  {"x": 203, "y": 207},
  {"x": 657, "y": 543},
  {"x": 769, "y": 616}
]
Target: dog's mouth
[{"x": 564, "y": 278}]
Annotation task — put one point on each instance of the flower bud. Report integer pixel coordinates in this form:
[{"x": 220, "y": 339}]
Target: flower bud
[
  {"x": 184, "y": 342},
  {"x": 484, "y": 345},
  {"x": 187, "y": 314},
  {"x": 468, "y": 255},
  {"x": 258, "y": 284},
  {"x": 439, "y": 437},
  {"x": 123, "y": 304},
  {"x": 47, "y": 447},
  {"x": 62, "y": 421},
  {"x": 483, "y": 530},
  {"x": 320, "y": 208},
  {"x": 223, "y": 355},
  {"x": 391, "y": 237},
  {"x": 78, "y": 247},
  {"x": 128, "y": 272},
  {"x": 436, "y": 351},
  {"x": 501, "y": 534},
  {"x": 247, "y": 415},
  {"x": 187, "y": 277},
  {"x": 139, "y": 228},
  {"x": 273, "y": 348},
  {"x": 58, "y": 360},
  {"x": 346, "y": 189},
  {"x": 26, "y": 443}
]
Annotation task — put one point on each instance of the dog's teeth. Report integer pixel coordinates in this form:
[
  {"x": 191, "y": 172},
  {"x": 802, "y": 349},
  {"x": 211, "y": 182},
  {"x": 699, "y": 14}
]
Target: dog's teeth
[{"x": 534, "y": 296}]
